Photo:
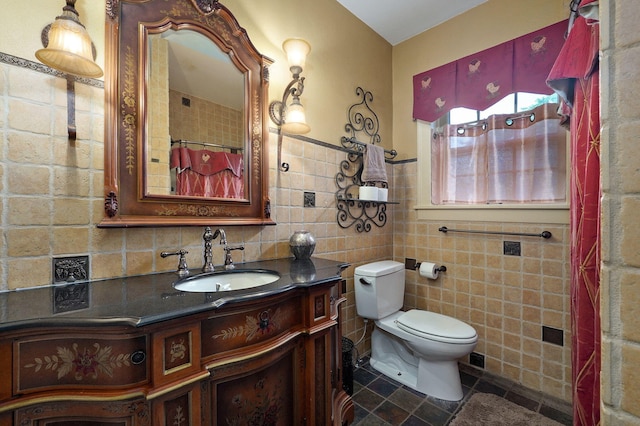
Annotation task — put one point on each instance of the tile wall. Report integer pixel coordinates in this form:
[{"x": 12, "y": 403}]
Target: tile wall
[
  {"x": 506, "y": 298},
  {"x": 204, "y": 121},
  {"x": 158, "y": 172},
  {"x": 620, "y": 276}
]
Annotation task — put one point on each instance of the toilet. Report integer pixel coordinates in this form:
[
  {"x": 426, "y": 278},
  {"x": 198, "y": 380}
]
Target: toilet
[{"x": 419, "y": 349}]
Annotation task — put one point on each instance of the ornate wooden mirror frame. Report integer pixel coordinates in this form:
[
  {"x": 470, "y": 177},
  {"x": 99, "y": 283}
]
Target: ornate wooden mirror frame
[{"x": 127, "y": 203}]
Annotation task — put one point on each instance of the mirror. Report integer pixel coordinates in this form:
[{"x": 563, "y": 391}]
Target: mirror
[
  {"x": 185, "y": 117},
  {"x": 202, "y": 122}
]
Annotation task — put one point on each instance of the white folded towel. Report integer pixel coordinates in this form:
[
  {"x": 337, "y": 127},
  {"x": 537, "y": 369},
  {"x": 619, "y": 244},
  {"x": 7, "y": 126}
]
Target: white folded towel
[{"x": 374, "y": 168}]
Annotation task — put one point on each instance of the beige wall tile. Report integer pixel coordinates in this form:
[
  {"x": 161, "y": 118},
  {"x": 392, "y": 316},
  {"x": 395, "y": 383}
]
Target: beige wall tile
[
  {"x": 630, "y": 244},
  {"x": 107, "y": 265},
  {"x": 29, "y": 116},
  {"x": 71, "y": 211},
  {"x": 28, "y": 272},
  {"x": 29, "y": 85},
  {"x": 26, "y": 179},
  {"x": 70, "y": 240},
  {"x": 28, "y": 211},
  {"x": 71, "y": 182},
  {"x": 138, "y": 262},
  {"x": 630, "y": 379},
  {"x": 630, "y": 309},
  {"x": 27, "y": 242}
]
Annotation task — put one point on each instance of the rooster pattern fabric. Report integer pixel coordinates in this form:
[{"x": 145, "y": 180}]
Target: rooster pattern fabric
[
  {"x": 478, "y": 81},
  {"x": 205, "y": 173}
]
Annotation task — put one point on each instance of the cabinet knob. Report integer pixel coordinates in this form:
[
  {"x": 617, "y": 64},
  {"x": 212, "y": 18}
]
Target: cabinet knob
[
  {"x": 264, "y": 320},
  {"x": 138, "y": 357}
]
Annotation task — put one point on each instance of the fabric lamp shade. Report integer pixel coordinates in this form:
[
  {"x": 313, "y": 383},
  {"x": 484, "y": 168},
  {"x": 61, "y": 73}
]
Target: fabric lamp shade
[{"x": 69, "y": 49}]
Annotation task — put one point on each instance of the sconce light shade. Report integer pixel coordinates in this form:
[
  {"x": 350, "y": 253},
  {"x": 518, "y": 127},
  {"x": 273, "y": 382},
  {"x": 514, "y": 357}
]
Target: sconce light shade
[
  {"x": 291, "y": 118},
  {"x": 69, "y": 48},
  {"x": 295, "y": 121},
  {"x": 297, "y": 51}
]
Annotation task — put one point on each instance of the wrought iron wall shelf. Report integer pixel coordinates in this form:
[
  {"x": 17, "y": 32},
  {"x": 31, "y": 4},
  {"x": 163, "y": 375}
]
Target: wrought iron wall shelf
[
  {"x": 368, "y": 201},
  {"x": 352, "y": 211}
]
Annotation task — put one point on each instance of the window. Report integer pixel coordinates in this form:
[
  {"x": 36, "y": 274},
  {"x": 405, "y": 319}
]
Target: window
[
  {"x": 515, "y": 102},
  {"x": 506, "y": 163}
]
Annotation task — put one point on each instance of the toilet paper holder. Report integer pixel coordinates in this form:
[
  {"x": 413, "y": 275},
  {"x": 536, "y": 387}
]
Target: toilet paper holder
[
  {"x": 440, "y": 268},
  {"x": 412, "y": 264}
]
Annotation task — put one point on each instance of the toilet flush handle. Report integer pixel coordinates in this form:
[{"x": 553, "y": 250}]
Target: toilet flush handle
[{"x": 364, "y": 282}]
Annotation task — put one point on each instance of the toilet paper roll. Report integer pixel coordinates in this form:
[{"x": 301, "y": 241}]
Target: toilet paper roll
[
  {"x": 429, "y": 270},
  {"x": 368, "y": 193},
  {"x": 383, "y": 194}
]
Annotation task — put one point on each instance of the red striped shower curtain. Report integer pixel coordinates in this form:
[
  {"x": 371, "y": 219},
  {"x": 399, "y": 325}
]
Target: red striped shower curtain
[{"x": 575, "y": 76}]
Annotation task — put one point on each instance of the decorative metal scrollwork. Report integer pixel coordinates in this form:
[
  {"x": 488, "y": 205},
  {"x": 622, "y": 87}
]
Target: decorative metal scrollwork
[
  {"x": 363, "y": 125},
  {"x": 362, "y": 214},
  {"x": 363, "y": 121}
]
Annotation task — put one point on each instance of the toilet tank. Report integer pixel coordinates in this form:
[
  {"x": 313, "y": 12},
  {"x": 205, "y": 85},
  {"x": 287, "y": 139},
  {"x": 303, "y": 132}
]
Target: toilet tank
[{"x": 379, "y": 289}]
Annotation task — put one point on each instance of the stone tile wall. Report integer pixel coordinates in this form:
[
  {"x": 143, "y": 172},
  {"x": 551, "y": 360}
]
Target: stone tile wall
[
  {"x": 620, "y": 138},
  {"x": 506, "y": 298}
]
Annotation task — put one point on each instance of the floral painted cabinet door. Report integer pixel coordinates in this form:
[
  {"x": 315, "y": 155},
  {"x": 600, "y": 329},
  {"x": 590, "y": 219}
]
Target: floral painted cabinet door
[{"x": 82, "y": 361}]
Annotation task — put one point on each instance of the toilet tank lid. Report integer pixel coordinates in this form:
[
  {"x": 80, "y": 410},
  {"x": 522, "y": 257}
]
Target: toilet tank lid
[{"x": 378, "y": 269}]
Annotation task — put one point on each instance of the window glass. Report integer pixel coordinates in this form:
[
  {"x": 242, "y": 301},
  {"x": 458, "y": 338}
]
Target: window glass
[
  {"x": 514, "y": 102},
  {"x": 462, "y": 115},
  {"x": 504, "y": 106},
  {"x": 500, "y": 155},
  {"x": 527, "y": 101}
]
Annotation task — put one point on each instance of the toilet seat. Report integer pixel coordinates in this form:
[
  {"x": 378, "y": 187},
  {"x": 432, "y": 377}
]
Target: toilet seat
[{"x": 433, "y": 326}]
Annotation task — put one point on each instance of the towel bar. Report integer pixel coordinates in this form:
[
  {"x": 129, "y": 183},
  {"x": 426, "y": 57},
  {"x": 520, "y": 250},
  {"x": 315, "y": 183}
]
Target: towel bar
[{"x": 544, "y": 234}]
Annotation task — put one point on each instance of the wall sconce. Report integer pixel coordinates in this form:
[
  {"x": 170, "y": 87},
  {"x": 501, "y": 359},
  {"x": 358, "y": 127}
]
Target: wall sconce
[
  {"x": 68, "y": 49},
  {"x": 290, "y": 118}
]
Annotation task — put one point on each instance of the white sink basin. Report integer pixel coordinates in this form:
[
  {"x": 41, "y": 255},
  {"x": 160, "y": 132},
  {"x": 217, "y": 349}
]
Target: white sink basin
[{"x": 226, "y": 281}]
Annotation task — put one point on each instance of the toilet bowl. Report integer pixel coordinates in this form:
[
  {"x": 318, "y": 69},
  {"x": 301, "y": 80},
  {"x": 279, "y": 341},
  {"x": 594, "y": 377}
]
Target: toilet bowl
[{"x": 417, "y": 348}]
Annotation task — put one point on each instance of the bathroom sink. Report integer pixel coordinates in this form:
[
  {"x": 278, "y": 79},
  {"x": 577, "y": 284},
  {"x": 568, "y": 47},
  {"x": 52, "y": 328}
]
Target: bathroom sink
[{"x": 227, "y": 281}]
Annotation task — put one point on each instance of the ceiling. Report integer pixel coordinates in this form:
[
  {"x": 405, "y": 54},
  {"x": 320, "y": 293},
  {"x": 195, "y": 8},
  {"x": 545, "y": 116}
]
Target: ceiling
[{"x": 399, "y": 20}]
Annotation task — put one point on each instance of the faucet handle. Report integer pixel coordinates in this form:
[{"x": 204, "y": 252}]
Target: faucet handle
[
  {"x": 183, "y": 269},
  {"x": 228, "y": 261}
]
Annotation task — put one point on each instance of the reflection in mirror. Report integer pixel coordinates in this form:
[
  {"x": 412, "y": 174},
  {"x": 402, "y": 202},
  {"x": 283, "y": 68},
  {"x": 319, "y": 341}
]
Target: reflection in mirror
[{"x": 195, "y": 118}]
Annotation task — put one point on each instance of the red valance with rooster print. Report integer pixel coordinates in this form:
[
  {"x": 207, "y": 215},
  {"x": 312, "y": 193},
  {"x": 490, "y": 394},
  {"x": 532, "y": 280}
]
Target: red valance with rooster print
[{"x": 478, "y": 81}]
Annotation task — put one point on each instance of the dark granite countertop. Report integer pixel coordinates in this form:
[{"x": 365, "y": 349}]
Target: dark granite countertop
[{"x": 147, "y": 299}]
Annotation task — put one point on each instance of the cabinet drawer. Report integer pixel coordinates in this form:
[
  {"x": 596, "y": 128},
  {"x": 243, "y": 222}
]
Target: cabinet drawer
[
  {"x": 240, "y": 329},
  {"x": 176, "y": 353},
  {"x": 82, "y": 361}
]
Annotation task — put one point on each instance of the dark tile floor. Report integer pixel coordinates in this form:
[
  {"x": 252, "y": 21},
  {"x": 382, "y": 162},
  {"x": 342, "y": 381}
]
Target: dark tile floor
[{"x": 379, "y": 400}]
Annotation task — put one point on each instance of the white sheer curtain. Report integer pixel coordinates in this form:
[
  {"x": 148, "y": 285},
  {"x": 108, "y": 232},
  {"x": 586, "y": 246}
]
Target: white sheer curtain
[{"x": 508, "y": 158}]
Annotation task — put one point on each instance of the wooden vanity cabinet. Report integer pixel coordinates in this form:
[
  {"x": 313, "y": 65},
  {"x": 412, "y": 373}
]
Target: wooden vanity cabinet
[{"x": 273, "y": 360}]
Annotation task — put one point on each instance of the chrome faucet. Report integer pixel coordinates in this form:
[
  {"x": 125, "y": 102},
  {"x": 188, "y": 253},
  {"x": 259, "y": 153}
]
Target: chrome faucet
[
  {"x": 228, "y": 261},
  {"x": 223, "y": 236}
]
